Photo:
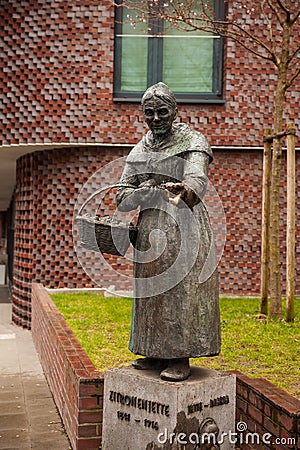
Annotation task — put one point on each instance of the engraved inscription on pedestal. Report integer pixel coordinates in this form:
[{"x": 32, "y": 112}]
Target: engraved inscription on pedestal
[{"x": 145, "y": 413}]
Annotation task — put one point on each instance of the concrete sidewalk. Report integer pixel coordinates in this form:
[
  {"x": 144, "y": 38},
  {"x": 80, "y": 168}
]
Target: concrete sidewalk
[{"x": 28, "y": 416}]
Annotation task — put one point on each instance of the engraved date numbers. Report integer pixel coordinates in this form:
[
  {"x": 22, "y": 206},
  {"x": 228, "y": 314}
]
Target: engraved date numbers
[
  {"x": 123, "y": 416},
  {"x": 151, "y": 424}
]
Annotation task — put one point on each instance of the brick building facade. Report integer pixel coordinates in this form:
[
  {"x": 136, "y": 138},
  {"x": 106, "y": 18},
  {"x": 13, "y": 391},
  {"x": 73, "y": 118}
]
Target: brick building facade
[{"x": 60, "y": 119}]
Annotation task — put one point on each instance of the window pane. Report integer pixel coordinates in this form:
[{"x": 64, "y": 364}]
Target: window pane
[
  {"x": 134, "y": 64},
  {"x": 188, "y": 57},
  {"x": 188, "y": 62},
  {"x": 134, "y": 49}
]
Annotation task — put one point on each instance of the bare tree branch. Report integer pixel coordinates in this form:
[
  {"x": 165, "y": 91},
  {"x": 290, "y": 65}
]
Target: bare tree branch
[
  {"x": 284, "y": 8},
  {"x": 294, "y": 54},
  {"x": 246, "y": 46},
  {"x": 293, "y": 78},
  {"x": 275, "y": 11},
  {"x": 269, "y": 22},
  {"x": 243, "y": 33},
  {"x": 295, "y": 18}
]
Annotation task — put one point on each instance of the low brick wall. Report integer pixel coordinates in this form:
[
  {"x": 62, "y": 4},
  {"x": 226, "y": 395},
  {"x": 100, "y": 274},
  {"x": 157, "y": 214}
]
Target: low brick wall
[
  {"x": 266, "y": 408},
  {"x": 78, "y": 389},
  {"x": 76, "y": 386}
]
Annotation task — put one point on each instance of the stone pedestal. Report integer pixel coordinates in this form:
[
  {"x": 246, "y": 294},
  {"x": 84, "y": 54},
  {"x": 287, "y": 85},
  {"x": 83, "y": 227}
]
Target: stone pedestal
[{"x": 142, "y": 412}]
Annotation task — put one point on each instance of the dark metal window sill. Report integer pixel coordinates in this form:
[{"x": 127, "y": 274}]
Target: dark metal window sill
[{"x": 180, "y": 100}]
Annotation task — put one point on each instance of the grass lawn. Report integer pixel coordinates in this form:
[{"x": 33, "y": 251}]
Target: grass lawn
[{"x": 258, "y": 348}]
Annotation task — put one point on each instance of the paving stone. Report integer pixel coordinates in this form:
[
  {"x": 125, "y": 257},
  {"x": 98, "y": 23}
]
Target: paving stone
[
  {"x": 13, "y": 407},
  {"x": 13, "y": 421},
  {"x": 14, "y": 439},
  {"x": 36, "y": 389},
  {"x": 49, "y": 444},
  {"x": 35, "y": 407},
  {"x": 44, "y": 424},
  {"x": 7, "y": 396}
]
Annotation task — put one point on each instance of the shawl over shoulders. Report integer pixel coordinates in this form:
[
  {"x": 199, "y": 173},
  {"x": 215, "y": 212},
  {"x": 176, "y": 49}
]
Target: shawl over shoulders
[{"x": 182, "y": 139}]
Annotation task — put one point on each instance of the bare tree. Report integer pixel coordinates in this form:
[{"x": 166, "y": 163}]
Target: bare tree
[{"x": 276, "y": 41}]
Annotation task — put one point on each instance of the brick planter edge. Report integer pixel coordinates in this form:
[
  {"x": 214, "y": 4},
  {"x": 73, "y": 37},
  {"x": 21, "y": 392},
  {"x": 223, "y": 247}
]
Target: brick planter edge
[{"x": 76, "y": 385}]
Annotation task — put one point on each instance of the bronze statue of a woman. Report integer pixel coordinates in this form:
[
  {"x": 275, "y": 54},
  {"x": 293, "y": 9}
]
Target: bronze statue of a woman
[{"x": 175, "y": 311}]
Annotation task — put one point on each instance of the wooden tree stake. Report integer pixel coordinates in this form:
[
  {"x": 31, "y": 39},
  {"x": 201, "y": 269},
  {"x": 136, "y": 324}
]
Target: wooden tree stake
[
  {"x": 290, "y": 233},
  {"x": 267, "y": 157}
]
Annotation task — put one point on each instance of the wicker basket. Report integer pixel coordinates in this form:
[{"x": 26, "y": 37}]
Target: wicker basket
[{"x": 103, "y": 233}]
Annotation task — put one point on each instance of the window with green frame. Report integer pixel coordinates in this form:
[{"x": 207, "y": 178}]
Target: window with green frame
[{"x": 189, "y": 62}]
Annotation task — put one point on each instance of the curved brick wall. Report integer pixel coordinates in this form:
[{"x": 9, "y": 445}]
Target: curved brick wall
[{"x": 48, "y": 185}]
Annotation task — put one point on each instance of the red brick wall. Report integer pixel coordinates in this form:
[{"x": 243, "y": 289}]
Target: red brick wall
[
  {"x": 48, "y": 184},
  {"x": 265, "y": 408},
  {"x": 76, "y": 386},
  {"x": 24, "y": 244},
  {"x": 57, "y": 78},
  {"x": 78, "y": 389}
]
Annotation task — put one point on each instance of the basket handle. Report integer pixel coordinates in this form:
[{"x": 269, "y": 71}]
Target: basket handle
[{"x": 98, "y": 191}]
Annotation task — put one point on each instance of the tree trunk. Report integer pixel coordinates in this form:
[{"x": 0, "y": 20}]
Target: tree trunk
[{"x": 275, "y": 280}]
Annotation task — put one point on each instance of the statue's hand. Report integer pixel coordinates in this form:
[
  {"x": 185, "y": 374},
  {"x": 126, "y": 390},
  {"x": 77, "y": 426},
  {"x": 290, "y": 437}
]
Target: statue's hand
[
  {"x": 175, "y": 192},
  {"x": 174, "y": 188}
]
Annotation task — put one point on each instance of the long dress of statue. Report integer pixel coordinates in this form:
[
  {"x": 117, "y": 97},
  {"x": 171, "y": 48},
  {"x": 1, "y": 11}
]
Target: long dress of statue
[{"x": 172, "y": 326}]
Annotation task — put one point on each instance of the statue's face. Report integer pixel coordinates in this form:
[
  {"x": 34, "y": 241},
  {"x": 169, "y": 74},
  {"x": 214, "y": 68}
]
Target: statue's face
[{"x": 158, "y": 115}]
